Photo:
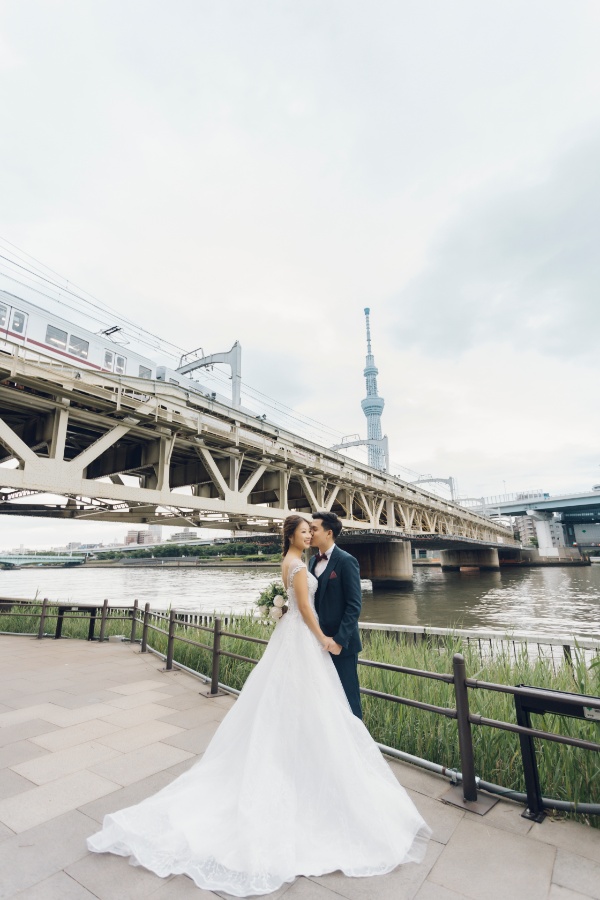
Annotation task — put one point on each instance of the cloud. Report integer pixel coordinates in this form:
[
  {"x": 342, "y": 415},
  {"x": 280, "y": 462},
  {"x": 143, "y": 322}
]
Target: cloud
[
  {"x": 264, "y": 171},
  {"x": 519, "y": 263},
  {"x": 490, "y": 415}
]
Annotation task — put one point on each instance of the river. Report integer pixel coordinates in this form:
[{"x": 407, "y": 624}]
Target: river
[{"x": 549, "y": 601}]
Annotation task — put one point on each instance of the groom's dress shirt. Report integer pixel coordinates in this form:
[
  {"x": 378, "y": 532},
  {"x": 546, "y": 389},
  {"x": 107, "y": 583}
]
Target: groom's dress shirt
[{"x": 322, "y": 564}]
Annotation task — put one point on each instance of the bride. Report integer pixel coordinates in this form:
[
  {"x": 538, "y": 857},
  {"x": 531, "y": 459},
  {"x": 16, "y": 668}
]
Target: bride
[{"x": 291, "y": 783}]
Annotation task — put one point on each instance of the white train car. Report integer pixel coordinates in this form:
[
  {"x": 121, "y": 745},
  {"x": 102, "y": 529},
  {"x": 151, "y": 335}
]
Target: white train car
[
  {"x": 34, "y": 328},
  {"x": 27, "y": 325}
]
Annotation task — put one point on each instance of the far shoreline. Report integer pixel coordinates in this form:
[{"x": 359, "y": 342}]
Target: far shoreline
[{"x": 186, "y": 563}]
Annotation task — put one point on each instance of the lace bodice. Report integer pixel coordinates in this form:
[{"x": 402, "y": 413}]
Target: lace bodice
[{"x": 312, "y": 588}]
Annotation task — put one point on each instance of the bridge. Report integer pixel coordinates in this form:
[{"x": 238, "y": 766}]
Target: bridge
[
  {"x": 8, "y": 560},
  {"x": 94, "y": 446},
  {"x": 574, "y": 509},
  {"x": 521, "y": 503}
]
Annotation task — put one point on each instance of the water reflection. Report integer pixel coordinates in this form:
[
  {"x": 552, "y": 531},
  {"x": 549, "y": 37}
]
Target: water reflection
[{"x": 545, "y": 600}]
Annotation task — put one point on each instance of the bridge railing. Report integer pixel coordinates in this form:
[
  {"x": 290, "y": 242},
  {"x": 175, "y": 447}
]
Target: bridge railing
[{"x": 174, "y": 628}]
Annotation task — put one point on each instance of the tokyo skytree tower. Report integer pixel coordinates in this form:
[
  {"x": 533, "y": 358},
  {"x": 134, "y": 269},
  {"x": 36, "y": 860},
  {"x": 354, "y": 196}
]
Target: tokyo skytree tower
[{"x": 373, "y": 405}]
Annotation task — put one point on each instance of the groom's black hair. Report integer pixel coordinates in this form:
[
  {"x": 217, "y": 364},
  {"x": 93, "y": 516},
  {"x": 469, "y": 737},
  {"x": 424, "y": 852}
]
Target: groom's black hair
[{"x": 330, "y": 522}]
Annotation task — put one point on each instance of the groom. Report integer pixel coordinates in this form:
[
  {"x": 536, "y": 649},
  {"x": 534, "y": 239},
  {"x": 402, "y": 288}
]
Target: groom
[{"x": 338, "y": 601}]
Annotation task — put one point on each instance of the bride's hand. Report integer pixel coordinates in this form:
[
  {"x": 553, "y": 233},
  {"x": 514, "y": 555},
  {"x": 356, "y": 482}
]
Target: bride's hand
[{"x": 328, "y": 643}]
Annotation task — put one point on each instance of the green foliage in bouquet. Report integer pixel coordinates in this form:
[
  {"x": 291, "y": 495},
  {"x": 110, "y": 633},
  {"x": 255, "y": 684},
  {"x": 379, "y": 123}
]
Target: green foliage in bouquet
[{"x": 272, "y": 600}]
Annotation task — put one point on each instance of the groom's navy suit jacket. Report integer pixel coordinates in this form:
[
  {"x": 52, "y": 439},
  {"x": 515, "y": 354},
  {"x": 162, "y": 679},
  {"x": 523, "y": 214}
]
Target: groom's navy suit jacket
[{"x": 338, "y": 600}]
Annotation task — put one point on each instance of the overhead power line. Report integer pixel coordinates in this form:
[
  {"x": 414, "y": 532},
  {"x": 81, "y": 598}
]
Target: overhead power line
[
  {"x": 77, "y": 293},
  {"x": 41, "y": 278}
]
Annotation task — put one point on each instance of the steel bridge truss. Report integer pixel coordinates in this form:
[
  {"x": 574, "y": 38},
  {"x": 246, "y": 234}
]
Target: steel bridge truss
[{"x": 78, "y": 444}]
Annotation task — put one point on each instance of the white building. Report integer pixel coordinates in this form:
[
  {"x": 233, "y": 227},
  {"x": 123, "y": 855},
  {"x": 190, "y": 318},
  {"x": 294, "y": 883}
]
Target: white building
[
  {"x": 526, "y": 528},
  {"x": 188, "y": 534},
  {"x": 139, "y": 537},
  {"x": 547, "y": 531}
]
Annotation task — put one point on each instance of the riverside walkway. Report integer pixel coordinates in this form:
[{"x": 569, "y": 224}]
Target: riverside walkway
[{"x": 86, "y": 729}]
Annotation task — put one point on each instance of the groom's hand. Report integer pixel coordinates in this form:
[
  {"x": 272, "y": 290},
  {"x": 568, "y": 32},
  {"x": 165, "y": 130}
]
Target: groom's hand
[{"x": 335, "y": 649}]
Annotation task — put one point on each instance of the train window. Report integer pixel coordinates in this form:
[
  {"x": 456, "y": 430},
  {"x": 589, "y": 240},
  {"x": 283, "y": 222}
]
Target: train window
[
  {"x": 3, "y": 315},
  {"x": 56, "y": 337},
  {"x": 78, "y": 347},
  {"x": 19, "y": 321},
  {"x": 109, "y": 358},
  {"x": 145, "y": 372},
  {"x": 120, "y": 363}
]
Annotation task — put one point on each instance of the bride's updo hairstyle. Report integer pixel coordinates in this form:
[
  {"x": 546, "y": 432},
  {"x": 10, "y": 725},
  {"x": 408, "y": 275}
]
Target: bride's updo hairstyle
[{"x": 289, "y": 527}]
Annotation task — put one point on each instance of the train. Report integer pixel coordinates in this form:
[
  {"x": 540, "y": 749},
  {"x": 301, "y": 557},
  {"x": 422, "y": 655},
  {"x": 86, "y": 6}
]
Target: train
[{"x": 34, "y": 328}]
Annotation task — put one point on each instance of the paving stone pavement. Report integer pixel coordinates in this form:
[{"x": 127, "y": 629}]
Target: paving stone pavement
[{"x": 86, "y": 729}]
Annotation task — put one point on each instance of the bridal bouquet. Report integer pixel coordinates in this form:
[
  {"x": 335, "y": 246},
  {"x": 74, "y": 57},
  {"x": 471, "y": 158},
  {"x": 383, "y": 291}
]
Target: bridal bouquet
[{"x": 272, "y": 600}]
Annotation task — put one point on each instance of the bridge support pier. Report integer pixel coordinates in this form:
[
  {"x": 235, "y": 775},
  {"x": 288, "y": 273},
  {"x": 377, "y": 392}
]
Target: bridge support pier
[
  {"x": 387, "y": 565},
  {"x": 485, "y": 558}
]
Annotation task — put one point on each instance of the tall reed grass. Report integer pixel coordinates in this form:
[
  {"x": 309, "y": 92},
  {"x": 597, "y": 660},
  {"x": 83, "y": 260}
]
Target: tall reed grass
[{"x": 566, "y": 773}]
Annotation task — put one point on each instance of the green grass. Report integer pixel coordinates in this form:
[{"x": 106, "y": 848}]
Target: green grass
[{"x": 566, "y": 773}]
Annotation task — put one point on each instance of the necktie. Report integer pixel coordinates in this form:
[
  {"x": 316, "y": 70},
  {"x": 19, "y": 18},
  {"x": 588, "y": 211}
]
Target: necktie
[{"x": 320, "y": 557}]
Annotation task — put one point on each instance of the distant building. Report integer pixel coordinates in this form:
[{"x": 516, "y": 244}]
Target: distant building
[
  {"x": 425, "y": 554},
  {"x": 187, "y": 534},
  {"x": 586, "y": 534},
  {"x": 156, "y": 532},
  {"x": 557, "y": 532},
  {"x": 139, "y": 537},
  {"x": 526, "y": 526}
]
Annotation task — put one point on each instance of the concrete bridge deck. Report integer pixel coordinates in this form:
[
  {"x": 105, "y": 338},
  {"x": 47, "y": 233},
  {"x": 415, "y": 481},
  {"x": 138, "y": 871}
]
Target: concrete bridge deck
[{"x": 86, "y": 729}]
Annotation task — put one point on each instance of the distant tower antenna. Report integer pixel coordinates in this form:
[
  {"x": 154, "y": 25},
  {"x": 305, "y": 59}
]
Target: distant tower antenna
[
  {"x": 379, "y": 453},
  {"x": 372, "y": 405}
]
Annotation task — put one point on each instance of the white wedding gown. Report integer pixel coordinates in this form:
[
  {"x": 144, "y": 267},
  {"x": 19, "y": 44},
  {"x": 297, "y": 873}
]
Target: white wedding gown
[{"x": 291, "y": 784}]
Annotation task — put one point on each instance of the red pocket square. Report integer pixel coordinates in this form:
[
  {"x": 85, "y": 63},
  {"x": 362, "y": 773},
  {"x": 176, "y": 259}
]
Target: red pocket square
[{"x": 333, "y": 575}]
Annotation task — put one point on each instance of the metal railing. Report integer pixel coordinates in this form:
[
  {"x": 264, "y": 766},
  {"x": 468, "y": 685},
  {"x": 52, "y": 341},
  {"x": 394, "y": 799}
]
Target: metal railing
[
  {"x": 62, "y": 611},
  {"x": 458, "y": 679},
  {"x": 486, "y": 642},
  {"x": 489, "y": 642}
]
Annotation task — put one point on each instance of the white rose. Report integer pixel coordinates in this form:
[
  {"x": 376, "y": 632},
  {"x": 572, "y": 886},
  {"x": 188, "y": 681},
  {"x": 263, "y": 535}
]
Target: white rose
[
  {"x": 275, "y": 613},
  {"x": 278, "y": 601}
]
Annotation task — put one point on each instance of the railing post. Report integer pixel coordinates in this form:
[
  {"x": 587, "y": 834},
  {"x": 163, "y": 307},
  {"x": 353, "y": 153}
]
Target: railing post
[
  {"x": 214, "y": 681},
  {"x": 144, "y": 647},
  {"x": 171, "y": 641},
  {"x": 59, "y": 622},
  {"x": 103, "y": 620},
  {"x": 465, "y": 738},
  {"x": 535, "y": 803},
  {"x": 42, "y": 619},
  {"x": 134, "y": 613}
]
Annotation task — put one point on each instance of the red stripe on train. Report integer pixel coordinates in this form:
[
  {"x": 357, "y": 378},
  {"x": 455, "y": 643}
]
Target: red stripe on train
[{"x": 78, "y": 359}]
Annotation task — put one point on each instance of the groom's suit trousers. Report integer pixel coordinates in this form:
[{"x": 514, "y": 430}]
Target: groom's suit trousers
[{"x": 347, "y": 669}]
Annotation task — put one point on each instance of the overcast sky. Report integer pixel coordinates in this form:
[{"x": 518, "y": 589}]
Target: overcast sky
[{"x": 262, "y": 171}]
